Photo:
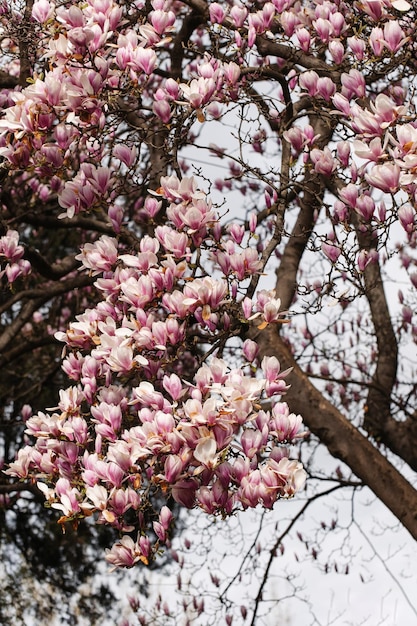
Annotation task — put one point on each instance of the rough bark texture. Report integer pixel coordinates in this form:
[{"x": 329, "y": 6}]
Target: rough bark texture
[{"x": 398, "y": 436}]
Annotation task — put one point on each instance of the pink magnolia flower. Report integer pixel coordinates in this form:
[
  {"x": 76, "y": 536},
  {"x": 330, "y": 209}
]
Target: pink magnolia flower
[
  {"x": 407, "y": 217},
  {"x": 353, "y": 84},
  {"x": 296, "y": 138},
  {"x": 214, "y": 499},
  {"x": 143, "y": 59},
  {"x": 125, "y": 154},
  {"x": 238, "y": 14},
  {"x": 20, "y": 467},
  {"x": 69, "y": 498},
  {"x": 407, "y": 315},
  {"x": 376, "y": 41},
  {"x": 394, "y": 36},
  {"x": 285, "y": 426},
  {"x": 9, "y": 246},
  {"x": 199, "y": 91},
  {"x": 42, "y": 10},
  {"x": 205, "y": 452},
  {"x": 251, "y": 442},
  {"x": 341, "y": 103},
  {"x": 271, "y": 368},
  {"x": 125, "y": 553},
  {"x": 349, "y": 194},
  {"x": 331, "y": 251},
  {"x": 385, "y": 176},
  {"x": 374, "y": 8},
  {"x": 323, "y": 160},
  {"x": 289, "y": 22},
  {"x": 324, "y": 29},
  {"x": 365, "y": 257},
  {"x": 174, "y": 467},
  {"x": 304, "y": 39},
  {"x": 343, "y": 152},
  {"x": 325, "y": 88},
  {"x": 172, "y": 384},
  {"x": 250, "y": 350},
  {"x": 308, "y": 80},
  {"x": 357, "y": 46},
  {"x": 337, "y": 51},
  {"x": 100, "y": 256},
  {"x": 249, "y": 493},
  {"x": 162, "y": 109},
  {"x": 365, "y": 207},
  {"x": 338, "y": 23},
  {"x": 372, "y": 151},
  {"x": 174, "y": 189},
  {"x": 217, "y": 13},
  {"x": 162, "y": 20},
  {"x": 245, "y": 263},
  {"x": 184, "y": 492},
  {"x": 173, "y": 241},
  {"x": 205, "y": 291}
]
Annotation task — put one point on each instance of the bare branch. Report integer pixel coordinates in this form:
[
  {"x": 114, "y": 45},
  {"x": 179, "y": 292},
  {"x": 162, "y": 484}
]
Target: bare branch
[
  {"x": 37, "y": 297},
  {"x": 48, "y": 291},
  {"x": 25, "y": 38},
  {"x": 19, "y": 487},
  {"x": 278, "y": 542},
  {"x": 296, "y": 57},
  {"x": 55, "y": 271}
]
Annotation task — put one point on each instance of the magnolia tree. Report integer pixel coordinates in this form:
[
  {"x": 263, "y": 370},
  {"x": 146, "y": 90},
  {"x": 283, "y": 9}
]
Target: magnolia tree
[{"x": 186, "y": 188}]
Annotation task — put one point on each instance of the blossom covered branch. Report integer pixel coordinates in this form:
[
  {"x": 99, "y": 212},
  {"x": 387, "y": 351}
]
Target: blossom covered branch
[
  {"x": 167, "y": 402},
  {"x": 133, "y": 432}
]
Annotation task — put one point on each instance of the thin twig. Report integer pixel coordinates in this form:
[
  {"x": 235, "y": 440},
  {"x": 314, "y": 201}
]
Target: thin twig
[{"x": 272, "y": 552}]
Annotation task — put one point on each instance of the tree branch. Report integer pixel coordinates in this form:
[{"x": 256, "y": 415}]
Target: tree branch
[
  {"x": 268, "y": 47},
  {"x": 38, "y": 297},
  {"x": 400, "y": 437},
  {"x": 342, "y": 439},
  {"x": 25, "y": 347},
  {"x": 19, "y": 487},
  {"x": 53, "y": 272},
  {"x": 273, "y": 550},
  {"x": 310, "y": 202},
  {"x": 25, "y": 42},
  {"x": 49, "y": 290}
]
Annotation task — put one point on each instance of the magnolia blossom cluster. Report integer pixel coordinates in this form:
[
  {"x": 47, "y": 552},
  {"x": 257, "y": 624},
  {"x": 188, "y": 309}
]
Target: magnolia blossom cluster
[
  {"x": 138, "y": 428},
  {"x": 389, "y": 149},
  {"x": 206, "y": 444},
  {"x": 54, "y": 127},
  {"x": 96, "y": 58},
  {"x": 12, "y": 263},
  {"x": 155, "y": 415},
  {"x": 387, "y": 154}
]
